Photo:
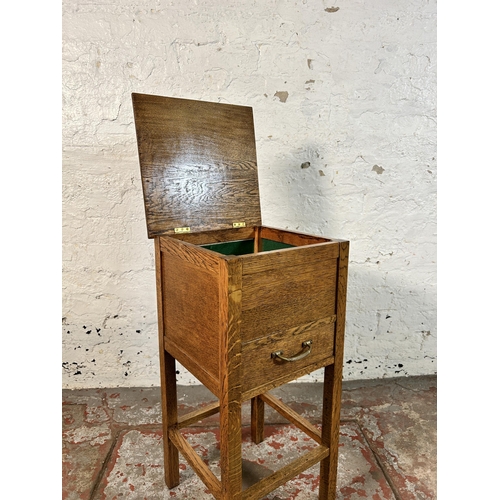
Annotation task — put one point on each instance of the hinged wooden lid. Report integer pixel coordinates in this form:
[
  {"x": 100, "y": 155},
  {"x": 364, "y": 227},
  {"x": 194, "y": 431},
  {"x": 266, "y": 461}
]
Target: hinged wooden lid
[{"x": 198, "y": 164}]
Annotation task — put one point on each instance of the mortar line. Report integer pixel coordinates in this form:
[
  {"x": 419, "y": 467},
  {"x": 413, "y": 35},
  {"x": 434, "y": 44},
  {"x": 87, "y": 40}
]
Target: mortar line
[
  {"x": 381, "y": 465},
  {"x": 105, "y": 463},
  {"x": 115, "y": 433},
  {"x": 410, "y": 389}
]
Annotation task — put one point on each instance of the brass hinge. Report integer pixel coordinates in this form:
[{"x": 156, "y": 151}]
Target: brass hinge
[
  {"x": 182, "y": 230},
  {"x": 239, "y": 224}
]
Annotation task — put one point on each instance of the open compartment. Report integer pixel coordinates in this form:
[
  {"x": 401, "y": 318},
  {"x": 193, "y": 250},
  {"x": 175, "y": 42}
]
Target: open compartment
[{"x": 244, "y": 241}]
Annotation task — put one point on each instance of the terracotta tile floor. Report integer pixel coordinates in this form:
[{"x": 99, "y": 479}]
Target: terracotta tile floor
[{"x": 112, "y": 442}]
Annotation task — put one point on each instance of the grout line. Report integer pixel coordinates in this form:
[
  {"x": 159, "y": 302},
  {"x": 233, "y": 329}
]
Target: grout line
[
  {"x": 411, "y": 389},
  {"x": 105, "y": 463},
  {"x": 116, "y": 432},
  {"x": 379, "y": 462}
]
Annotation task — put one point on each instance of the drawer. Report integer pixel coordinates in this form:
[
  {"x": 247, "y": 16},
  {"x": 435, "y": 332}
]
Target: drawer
[{"x": 261, "y": 368}]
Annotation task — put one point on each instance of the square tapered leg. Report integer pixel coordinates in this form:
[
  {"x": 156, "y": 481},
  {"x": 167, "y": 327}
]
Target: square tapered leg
[
  {"x": 257, "y": 420},
  {"x": 169, "y": 412}
]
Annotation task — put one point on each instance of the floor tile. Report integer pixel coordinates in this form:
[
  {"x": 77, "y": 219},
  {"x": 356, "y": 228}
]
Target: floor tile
[
  {"x": 85, "y": 447},
  {"x": 400, "y": 422},
  {"x": 112, "y": 445},
  {"x": 135, "y": 470}
]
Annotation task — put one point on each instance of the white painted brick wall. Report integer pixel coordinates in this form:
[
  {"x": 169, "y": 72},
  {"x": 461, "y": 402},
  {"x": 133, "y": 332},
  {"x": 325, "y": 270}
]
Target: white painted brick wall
[{"x": 351, "y": 91}]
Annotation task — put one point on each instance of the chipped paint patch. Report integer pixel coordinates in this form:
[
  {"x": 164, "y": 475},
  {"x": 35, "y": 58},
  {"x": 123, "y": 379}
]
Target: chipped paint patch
[
  {"x": 135, "y": 406},
  {"x": 281, "y": 95},
  {"x": 378, "y": 169},
  {"x": 93, "y": 435},
  {"x": 402, "y": 429}
]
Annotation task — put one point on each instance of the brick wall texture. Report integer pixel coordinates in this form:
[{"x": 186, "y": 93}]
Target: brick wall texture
[{"x": 344, "y": 100}]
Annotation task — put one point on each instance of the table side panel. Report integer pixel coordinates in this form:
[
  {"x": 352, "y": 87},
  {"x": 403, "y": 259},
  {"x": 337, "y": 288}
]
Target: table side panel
[
  {"x": 190, "y": 253},
  {"x": 191, "y": 310},
  {"x": 223, "y": 235},
  {"x": 298, "y": 256},
  {"x": 291, "y": 237},
  {"x": 287, "y": 289}
]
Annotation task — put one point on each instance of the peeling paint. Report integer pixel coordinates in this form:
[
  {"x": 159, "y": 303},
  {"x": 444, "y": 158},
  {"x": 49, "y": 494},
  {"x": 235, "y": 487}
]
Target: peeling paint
[{"x": 281, "y": 95}]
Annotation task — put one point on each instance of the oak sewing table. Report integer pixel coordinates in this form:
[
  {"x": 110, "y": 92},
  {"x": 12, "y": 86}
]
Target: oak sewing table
[{"x": 244, "y": 307}]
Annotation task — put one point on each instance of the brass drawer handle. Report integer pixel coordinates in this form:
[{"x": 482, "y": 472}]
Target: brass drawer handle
[{"x": 306, "y": 350}]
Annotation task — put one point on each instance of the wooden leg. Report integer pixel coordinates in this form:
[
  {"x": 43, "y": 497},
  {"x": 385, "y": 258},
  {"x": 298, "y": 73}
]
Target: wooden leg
[
  {"x": 332, "y": 388},
  {"x": 168, "y": 383},
  {"x": 169, "y": 413},
  {"x": 230, "y": 381},
  {"x": 230, "y": 450},
  {"x": 330, "y": 435},
  {"x": 257, "y": 422}
]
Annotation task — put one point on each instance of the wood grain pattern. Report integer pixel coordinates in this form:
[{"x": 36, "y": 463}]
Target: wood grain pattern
[
  {"x": 223, "y": 235},
  {"x": 257, "y": 263},
  {"x": 191, "y": 304},
  {"x": 222, "y": 316},
  {"x": 288, "y": 377},
  {"x": 257, "y": 420},
  {"x": 332, "y": 387},
  {"x": 168, "y": 384},
  {"x": 196, "y": 416},
  {"x": 191, "y": 254},
  {"x": 284, "y": 296},
  {"x": 265, "y": 486},
  {"x": 291, "y": 237},
  {"x": 198, "y": 164},
  {"x": 230, "y": 379},
  {"x": 193, "y": 365}
]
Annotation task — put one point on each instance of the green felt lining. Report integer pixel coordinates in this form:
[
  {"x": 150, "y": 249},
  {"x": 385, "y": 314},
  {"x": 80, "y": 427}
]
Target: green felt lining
[{"x": 243, "y": 247}]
